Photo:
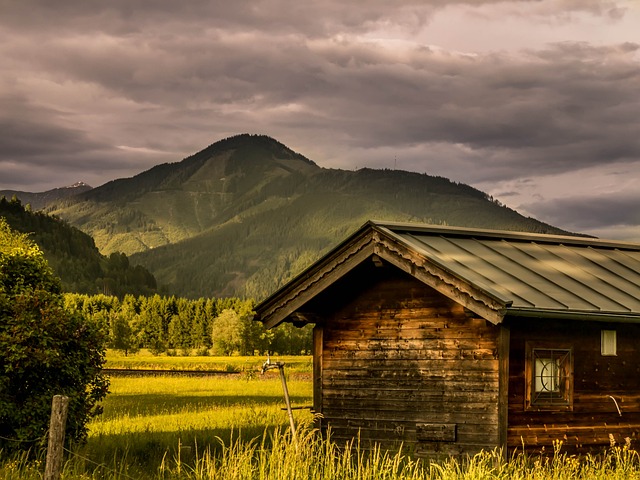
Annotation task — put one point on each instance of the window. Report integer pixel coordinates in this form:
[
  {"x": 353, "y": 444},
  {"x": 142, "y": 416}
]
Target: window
[
  {"x": 608, "y": 343},
  {"x": 549, "y": 378}
]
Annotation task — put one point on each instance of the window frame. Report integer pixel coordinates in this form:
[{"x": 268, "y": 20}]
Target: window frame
[{"x": 560, "y": 399}]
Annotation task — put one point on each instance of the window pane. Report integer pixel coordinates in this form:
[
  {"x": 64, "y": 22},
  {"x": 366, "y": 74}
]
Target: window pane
[
  {"x": 608, "y": 344},
  {"x": 547, "y": 375}
]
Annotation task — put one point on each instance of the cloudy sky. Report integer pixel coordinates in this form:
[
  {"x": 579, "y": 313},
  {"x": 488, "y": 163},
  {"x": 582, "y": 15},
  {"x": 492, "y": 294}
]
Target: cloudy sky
[{"x": 536, "y": 102}]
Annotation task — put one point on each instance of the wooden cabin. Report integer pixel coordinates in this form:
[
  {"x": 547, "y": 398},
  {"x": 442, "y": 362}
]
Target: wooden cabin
[{"x": 449, "y": 341}]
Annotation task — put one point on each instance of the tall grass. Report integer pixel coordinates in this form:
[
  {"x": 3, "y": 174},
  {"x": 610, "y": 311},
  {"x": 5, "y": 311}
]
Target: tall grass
[
  {"x": 278, "y": 457},
  {"x": 316, "y": 458},
  {"x": 275, "y": 456}
]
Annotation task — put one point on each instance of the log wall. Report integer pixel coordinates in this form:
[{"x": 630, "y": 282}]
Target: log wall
[
  {"x": 594, "y": 419},
  {"x": 400, "y": 363}
]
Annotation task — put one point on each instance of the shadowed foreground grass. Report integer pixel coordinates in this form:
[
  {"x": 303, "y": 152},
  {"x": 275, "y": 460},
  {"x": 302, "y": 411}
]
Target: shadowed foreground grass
[{"x": 275, "y": 456}]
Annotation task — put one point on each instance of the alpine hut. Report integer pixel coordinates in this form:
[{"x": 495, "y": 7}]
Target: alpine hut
[{"x": 449, "y": 340}]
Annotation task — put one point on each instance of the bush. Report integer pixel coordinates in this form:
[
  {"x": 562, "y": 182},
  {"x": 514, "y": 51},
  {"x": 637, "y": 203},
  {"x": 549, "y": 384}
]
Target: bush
[{"x": 45, "y": 350}]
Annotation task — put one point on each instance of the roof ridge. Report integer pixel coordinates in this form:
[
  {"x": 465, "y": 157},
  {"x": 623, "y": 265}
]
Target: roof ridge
[{"x": 469, "y": 232}]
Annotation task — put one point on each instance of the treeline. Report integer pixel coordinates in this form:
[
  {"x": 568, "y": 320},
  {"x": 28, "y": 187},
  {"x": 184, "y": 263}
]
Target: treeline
[
  {"x": 181, "y": 326},
  {"x": 74, "y": 257}
]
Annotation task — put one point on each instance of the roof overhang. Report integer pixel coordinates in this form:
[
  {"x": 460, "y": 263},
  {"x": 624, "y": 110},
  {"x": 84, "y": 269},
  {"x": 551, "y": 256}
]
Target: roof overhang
[
  {"x": 591, "y": 316},
  {"x": 376, "y": 240}
]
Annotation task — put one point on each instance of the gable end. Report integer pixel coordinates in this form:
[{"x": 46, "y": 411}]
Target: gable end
[{"x": 285, "y": 304}]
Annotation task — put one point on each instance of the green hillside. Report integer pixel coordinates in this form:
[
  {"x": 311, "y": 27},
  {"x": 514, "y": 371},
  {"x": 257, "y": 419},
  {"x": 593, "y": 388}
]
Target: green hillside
[
  {"x": 74, "y": 257},
  {"x": 245, "y": 214}
]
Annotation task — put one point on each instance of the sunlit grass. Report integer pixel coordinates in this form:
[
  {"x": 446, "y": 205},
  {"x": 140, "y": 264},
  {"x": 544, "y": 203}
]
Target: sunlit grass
[
  {"x": 146, "y": 417},
  {"x": 145, "y": 360},
  {"x": 167, "y": 403}
]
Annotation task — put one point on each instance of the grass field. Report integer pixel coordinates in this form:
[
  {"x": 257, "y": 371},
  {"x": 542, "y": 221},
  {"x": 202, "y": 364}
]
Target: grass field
[
  {"x": 146, "y": 418},
  {"x": 234, "y": 427},
  {"x": 145, "y": 360}
]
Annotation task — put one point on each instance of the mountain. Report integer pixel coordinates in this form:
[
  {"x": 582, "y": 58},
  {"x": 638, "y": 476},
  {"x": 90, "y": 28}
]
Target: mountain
[
  {"x": 74, "y": 257},
  {"x": 245, "y": 214},
  {"x": 38, "y": 201},
  {"x": 176, "y": 201}
]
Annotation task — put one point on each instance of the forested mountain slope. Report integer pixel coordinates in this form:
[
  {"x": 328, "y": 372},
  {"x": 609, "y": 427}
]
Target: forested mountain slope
[
  {"x": 245, "y": 214},
  {"x": 73, "y": 256}
]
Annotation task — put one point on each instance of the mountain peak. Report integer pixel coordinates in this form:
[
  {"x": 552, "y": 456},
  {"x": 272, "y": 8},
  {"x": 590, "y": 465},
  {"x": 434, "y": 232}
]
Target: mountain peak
[
  {"x": 234, "y": 163},
  {"x": 40, "y": 200},
  {"x": 78, "y": 185},
  {"x": 253, "y": 148}
]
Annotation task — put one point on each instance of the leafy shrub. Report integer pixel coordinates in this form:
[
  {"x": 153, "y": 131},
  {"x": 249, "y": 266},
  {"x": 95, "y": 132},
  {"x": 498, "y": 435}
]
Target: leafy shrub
[{"x": 45, "y": 349}]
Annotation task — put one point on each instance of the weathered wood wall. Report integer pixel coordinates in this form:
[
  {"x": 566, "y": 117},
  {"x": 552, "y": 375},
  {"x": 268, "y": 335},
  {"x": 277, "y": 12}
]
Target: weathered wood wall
[
  {"x": 594, "y": 416},
  {"x": 402, "y": 363}
]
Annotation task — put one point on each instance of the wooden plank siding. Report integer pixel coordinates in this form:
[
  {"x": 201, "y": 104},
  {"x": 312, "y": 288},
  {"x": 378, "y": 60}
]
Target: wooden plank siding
[
  {"x": 401, "y": 362},
  {"x": 596, "y": 378}
]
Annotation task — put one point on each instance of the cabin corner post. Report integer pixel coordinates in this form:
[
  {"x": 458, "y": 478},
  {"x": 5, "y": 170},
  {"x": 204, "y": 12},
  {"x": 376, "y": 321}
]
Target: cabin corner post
[
  {"x": 317, "y": 372},
  {"x": 503, "y": 386}
]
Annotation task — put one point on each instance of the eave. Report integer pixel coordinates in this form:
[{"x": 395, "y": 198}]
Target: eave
[{"x": 373, "y": 240}]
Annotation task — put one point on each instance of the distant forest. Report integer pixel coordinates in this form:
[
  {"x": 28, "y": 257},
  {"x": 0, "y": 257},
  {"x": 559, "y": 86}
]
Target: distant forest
[{"x": 178, "y": 326}]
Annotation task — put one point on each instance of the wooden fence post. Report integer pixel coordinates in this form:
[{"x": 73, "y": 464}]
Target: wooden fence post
[{"x": 55, "y": 449}]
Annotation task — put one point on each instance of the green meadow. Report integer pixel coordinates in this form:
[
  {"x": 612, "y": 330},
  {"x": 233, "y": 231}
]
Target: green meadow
[{"x": 224, "y": 427}]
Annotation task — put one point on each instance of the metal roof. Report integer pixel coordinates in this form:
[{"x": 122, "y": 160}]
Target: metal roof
[
  {"x": 496, "y": 274},
  {"x": 534, "y": 273}
]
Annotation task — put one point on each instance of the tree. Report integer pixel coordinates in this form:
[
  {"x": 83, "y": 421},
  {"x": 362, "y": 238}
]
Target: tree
[
  {"x": 254, "y": 336},
  {"x": 291, "y": 340},
  {"x": 200, "y": 337},
  {"x": 227, "y": 332},
  {"x": 152, "y": 324},
  {"x": 46, "y": 349},
  {"x": 122, "y": 337}
]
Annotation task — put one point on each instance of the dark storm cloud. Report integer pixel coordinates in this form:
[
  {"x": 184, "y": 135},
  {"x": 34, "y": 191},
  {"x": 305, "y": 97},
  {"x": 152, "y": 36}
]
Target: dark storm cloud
[
  {"x": 310, "y": 18},
  {"x": 168, "y": 17},
  {"x": 281, "y": 17},
  {"x": 32, "y": 133},
  {"x": 38, "y": 147},
  {"x": 566, "y": 108},
  {"x": 569, "y": 104}
]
